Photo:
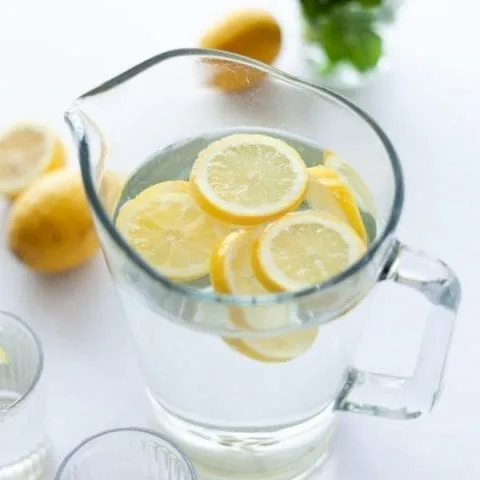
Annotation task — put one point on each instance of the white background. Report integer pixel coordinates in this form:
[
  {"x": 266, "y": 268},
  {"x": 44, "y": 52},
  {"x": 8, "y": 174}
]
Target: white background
[{"x": 51, "y": 51}]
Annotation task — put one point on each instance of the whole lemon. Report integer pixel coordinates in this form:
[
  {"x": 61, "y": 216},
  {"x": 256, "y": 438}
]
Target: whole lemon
[
  {"x": 50, "y": 228},
  {"x": 250, "y": 32}
]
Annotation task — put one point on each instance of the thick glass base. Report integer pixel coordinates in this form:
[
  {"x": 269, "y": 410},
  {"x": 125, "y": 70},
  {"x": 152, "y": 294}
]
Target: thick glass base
[{"x": 276, "y": 453}]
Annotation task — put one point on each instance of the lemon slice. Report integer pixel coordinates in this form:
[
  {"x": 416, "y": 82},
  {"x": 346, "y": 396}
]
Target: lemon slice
[
  {"x": 303, "y": 249},
  {"x": 27, "y": 152},
  {"x": 3, "y": 357},
  {"x": 321, "y": 198},
  {"x": 248, "y": 179},
  {"x": 350, "y": 176},
  {"x": 231, "y": 272},
  {"x": 171, "y": 232},
  {"x": 277, "y": 349},
  {"x": 169, "y": 186},
  {"x": 328, "y": 192},
  {"x": 230, "y": 266}
]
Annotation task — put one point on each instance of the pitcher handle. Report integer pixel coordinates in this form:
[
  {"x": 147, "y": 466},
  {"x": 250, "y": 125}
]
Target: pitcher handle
[{"x": 409, "y": 397}]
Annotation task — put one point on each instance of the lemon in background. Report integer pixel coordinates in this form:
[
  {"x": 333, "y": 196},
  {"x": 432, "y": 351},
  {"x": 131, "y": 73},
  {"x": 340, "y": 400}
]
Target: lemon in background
[
  {"x": 27, "y": 151},
  {"x": 50, "y": 228},
  {"x": 250, "y": 32}
]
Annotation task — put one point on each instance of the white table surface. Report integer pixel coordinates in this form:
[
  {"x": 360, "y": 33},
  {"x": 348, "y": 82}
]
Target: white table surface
[{"x": 53, "y": 50}]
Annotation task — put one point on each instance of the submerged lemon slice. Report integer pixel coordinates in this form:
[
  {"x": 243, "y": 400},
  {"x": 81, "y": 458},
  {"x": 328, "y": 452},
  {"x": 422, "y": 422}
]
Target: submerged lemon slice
[
  {"x": 248, "y": 179},
  {"x": 277, "y": 349},
  {"x": 303, "y": 249},
  {"x": 170, "y": 231},
  {"x": 327, "y": 192},
  {"x": 350, "y": 177},
  {"x": 27, "y": 151},
  {"x": 3, "y": 357},
  {"x": 231, "y": 272}
]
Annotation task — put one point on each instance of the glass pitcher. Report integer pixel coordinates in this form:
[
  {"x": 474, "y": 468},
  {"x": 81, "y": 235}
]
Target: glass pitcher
[{"x": 238, "y": 416}]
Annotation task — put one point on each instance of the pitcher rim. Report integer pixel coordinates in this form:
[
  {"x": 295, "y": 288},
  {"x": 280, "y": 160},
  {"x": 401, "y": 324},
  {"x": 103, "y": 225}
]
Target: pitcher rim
[{"x": 77, "y": 127}]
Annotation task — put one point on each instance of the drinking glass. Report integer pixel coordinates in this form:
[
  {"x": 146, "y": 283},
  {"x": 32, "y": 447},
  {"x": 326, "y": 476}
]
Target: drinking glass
[
  {"x": 23, "y": 441},
  {"x": 126, "y": 454},
  {"x": 236, "y": 416}
]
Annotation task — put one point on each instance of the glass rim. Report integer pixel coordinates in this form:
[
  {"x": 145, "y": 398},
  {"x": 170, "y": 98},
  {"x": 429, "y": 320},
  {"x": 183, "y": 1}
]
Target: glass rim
[
  {"x": 75, "y": 119},
  {"x": 39, "y": 367},
  {"x": 185, "y": 460}
]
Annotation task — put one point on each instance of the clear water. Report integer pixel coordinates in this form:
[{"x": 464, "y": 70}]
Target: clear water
[
  {"x": 237, "y": 418},
  {"x": 23, "y": 447},
  {"x": 175, "y": 161}
]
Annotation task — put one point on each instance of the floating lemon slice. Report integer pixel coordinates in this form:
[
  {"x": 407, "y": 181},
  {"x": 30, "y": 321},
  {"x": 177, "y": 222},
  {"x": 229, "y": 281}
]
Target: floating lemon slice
[
  {"x": 328, "y": 192},
  {"x": 27, "y": 152},
  {"x": 322, "y": 199},
  {"x": 350, "y": 176},
  {"x": 303, "y": 249},
  {"x": 248, "y": 179},
  {"x": 3, "y": 357},
  {"x": 230, "y": 266},
  {"x": 231, "y": 273},
  {"x": 169, "y": 229},
  {"x": 169, "y": 186}
]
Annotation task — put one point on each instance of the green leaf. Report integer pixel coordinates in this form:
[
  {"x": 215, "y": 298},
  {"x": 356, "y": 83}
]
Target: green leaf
[
  {"x": 366, "y": 51},
  {"x": 309, "y": 8},
  {"x": 370, "y": 3},
  {"x": 349, "y": 36},
  {"x": 315, "y": 9},
  {"x": 333, "y": 43}
]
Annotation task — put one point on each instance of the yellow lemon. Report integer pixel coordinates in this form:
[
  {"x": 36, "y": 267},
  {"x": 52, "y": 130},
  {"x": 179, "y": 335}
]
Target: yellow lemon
[
  {"x": 328, "y": 192},
  {"x": 249, "y": 179},
  {"x": 50, "y": 227},
  {"x": 167, "y": 227},
  {"x": 169, "y": 186},
  {"x": 276, "y": 349},
  {"x": 351, "y": 177},
  {"x": 304, "y": 248},
  {"x": 252, "y": 33},
  {"x": 27, "y": 151},
  {"x": 230, "y": 266},
  {"x": 231, "y": 272}
]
